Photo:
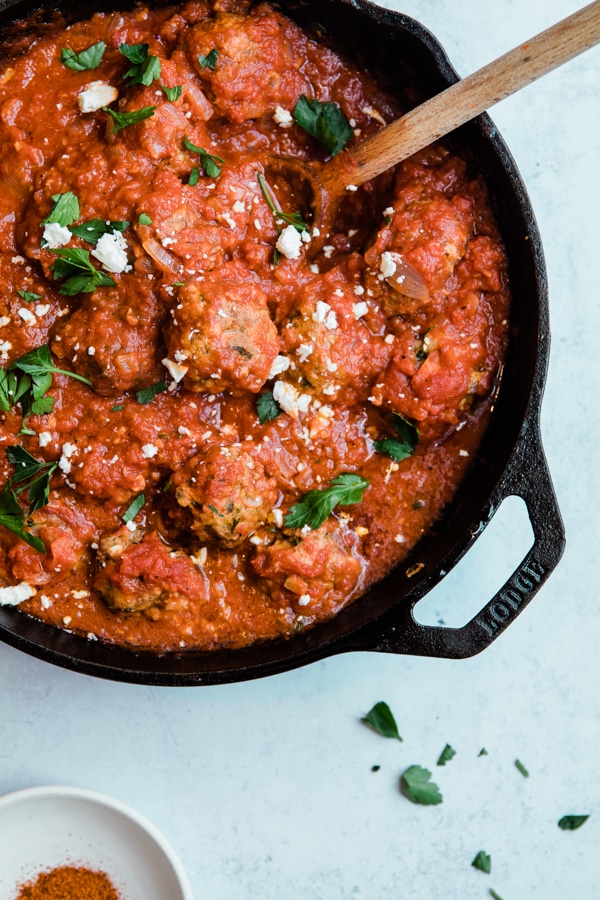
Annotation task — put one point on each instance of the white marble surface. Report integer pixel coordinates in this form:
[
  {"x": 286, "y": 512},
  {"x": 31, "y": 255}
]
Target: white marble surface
[{"x": 266, "y": 788}]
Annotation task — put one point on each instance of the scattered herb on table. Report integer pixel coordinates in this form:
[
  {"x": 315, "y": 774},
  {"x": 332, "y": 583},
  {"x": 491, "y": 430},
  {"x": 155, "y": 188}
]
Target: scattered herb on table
[
  {"x": 86, "y": 59},
  {"x": 316, "y": 506},
  {"x": 74, "y": 265},
  {"x": 325, "y": 121},
  {"x": 267, "y": 407},
  {"x": 375, "y": 768},
  {"x": 145, "y": 68},
  {"x": 404, "y": 445},
  {"x": 93, "y": 230},
  {"x": 521, "y": 768},
  {"x": 416, "y": 785},
  {"x": 65, "y": 209},
  {"x": 147, "y": 394},
  {"x": 570, "y": 823},
  {"x": 483, "y": 862},
  {"x": 210, "y": 60},
  {"x": 494, "y": 894},
  {"x": 446, "y": 755},
  {"x": 133, "y": 508},
  {"x": 208, "y": 161},
  {"x": 123, "y": 120},
  {"x": 29, "y": 296},
  {"x": 483, "y": 752},
  {"x": 381, "y": 719}
]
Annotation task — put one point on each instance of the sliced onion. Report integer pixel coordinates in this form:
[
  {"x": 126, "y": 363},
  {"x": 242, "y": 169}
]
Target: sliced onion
[
  {"x": 163, "y": 259},
  {"x": 406, "y": 280}
]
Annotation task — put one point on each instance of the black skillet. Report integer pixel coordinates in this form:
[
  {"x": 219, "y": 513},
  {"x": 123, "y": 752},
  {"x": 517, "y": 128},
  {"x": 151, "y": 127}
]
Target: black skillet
[{"x": 510, "y": 460}]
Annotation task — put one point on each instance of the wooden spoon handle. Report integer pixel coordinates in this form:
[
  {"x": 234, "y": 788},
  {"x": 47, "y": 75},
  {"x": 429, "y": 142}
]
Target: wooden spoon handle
[{"x": 464, "y": 100}]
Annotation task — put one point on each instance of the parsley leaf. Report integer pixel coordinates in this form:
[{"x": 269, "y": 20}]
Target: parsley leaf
[
  {"x": 27, "y": 466},
  {"x": 416, "y": 785},
  {"x": 483, "y": 752},
  {"x": 402, "y": 447},
  {"x": 147, "y": 394},
  {"x": 294, "y": 219},
  {"x": 122, "y": 120},
  {"x": 483, "y": 862},
  {"x": 381, "y": 720},
  {"x": 13, "y": 518},
  {"x": 316, "y": 506},
  {"x": 143, "y": 219},
  {"x": 117, "y": 407},
  {"x": 145, "y": 68},
  {"x": 325, "y": 121},
  {"x": 267, "y": 408},
  {"x": 521, "y": 768},
  {"x": 38, "y": 363},
  {"x": 29, "y": 296},
  {"x": 133, "y": 508},
  {"x": 173, "y": 93},
  {"x": 87, "y": 59},
  {"x": 194, "y": 177},
  {"x": 81, "y": 276},
  {"x": 446, "y": 755},
  {"x": 208, "y": 161},
  {"x": 93, "y": 230},
  {"x": 210, "y": 60},
  {"x": 570, "y": 823},
  {"x": 494, "y": 895},
  {"x": 65, "y": 209}
]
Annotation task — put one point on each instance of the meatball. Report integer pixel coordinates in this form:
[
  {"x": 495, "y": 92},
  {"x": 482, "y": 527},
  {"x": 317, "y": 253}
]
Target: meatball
[
  {"x": 227, "y": 492},
  {"x": 139, "y": 571},
  {"x": 112, "y": 339},
  {"x": 222, "y": 332},
  {"x": 259, "y": 63},
  {"x": 332, "y": 349},
  {"x": 320, "y": 567},
  {"x": 65, "y": 532}
]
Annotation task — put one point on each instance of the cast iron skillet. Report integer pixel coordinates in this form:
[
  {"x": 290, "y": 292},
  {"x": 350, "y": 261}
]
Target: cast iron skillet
[{"x": 510, "y": 462}]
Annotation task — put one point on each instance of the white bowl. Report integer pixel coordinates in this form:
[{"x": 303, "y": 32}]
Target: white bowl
[{"x": 45, "y": 827}]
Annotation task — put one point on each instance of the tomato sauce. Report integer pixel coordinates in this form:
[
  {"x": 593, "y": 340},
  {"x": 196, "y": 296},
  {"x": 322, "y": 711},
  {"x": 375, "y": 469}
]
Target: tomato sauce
[{"x": 224, "y": 381}]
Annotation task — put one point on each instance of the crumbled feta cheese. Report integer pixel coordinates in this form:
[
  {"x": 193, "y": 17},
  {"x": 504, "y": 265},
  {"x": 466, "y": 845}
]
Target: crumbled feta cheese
[
  {"x": 304, "y": 351},
  {"x": 111, "y": 251},
  {"x": 26, "y": 315},
  {"x": 67, "y": 620},
  {"x": 41, "y": 309},
  {"x": 238, "y": 206},
  {"x": 389, "y": 339},
  {"x": 305, "y": 237},
  {"x": 283, "y": 117},
  {"x": 359, "y": 290},
  {"x": 321, "y": 311},
  {"x": 80, "y": 595},
  {"x": 45, "y": 601},
  {"x": 331, "y": 366},
  {"x": 330, "y": 390},
  {"x": 4, "y": 320},
  {"x": 15, "y": 594},
  {"x": 331, "y": 322},
  {"x": 360, "y": 309},
  {"x": 290, "y": 399},
  {"x": 130, "y": 526},
  {"x": 387, "y": 266},
  {"x": 280, "y": 364},
  {"x": 149, "y": 450},
  {"x": 463, "y": 452},
  {"x": 5, "y": 346},
  {"x": 96, "y": 95},
  {"x": 56, "y": 235},
  {"x": 328, "y": 250},
  {"x": 183, "y": 430},
  {"x": 175, "y": 371},
  {"x": 180, "y": 356},
  {"x": 304, "y": 600},
  {"x": 91, "y": 351},
  {"x": 44, "y": 438},
  {"x": 400, "y": 539},
  {"x": 314, "y": 268},
  {"x": 289, "y": 243},
  {"x": 351, "y": 187},
  {"x": 388, "y": 211}
]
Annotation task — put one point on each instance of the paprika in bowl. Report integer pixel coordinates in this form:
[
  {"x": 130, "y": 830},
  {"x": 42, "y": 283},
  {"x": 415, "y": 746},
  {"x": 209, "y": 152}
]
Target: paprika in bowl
[{"x": 229, "y": 438}]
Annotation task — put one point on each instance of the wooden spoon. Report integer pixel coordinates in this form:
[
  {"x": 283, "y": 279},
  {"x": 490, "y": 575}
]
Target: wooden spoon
[{"x": 447, "y": 111}]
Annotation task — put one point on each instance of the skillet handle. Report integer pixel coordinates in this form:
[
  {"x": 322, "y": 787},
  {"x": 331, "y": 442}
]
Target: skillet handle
[{"x": 527, "y": 476}]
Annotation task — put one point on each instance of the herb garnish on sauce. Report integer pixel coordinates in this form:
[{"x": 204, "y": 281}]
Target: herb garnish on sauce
[
  {"x": 325, "y": 121},
  {"x": 294, "y": 219},
  {"x": 381, "y": 719},
  {"x": 316, "y": 506},
  {"x": 93, "y": 230},
  {"x": 145, "y": 68},
  {"x": 13, "y": 518},
  {"x": 147, "y": 394},
  {"x": 133, "y": 508},
  {"x": 404, "y": 445},
  {"x": 81, "y": 276},
  {"x": 416, "y": 785},
  {"x": 122, "y": 120},
  {"x": 87, "y": 59},
  {"x": 267, "y": 407},
  {"x": 27, "y": 466},
  {"x": 65, "y": 209},
  {"x": 210, "y": 60},
  {"x": 208, "y": 161},
  {"x": 173, "y": 93},
  {"x": 29, "y": 296}
]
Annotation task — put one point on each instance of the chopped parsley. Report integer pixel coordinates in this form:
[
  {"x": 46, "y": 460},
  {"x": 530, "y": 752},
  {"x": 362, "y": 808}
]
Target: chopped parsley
[
  {"x": 173, "y": 93},
  {"x": 325, "y": 121},
  {"x": 29, "y": 296},
  {"x": 143, "y": 219},
  {"x": 194, "y": 177},
  {"x": 483, "y": 752},
  {"x": 267, "y": 408},
  {"x": 74, "y": 265},
  {"x": 446, "y": 755},
  {"x": 404, "y": 445},
  {"x": 122, "y": 120},
  {"x": 316, "y": 506},
  {"x": 483, "y": 862},
  {"x": 494, "y": 895},
  {"x": 381, "y": 719},
  {"x": 27, "y": 467},
  {"x": 65, "y": 209},
  {"x": 38, "y": 363},
  {"x": 210, "y": 60},
  {"x": 117, "y": 408},
  {"x": 133, "y": 508},
  {"x": 13, "y": 518},
  {"x": 147, "y": 394},
  {"x": 570, "y": 823},
  {"x": 87, "y": 59},
  {"x": 145, "y": 68},
  {"x": 208, "y": 161},
  {"x": 416, "y": 785},
  {"x": 93, "y": 230},
  {"x": 521, "y": 768}
]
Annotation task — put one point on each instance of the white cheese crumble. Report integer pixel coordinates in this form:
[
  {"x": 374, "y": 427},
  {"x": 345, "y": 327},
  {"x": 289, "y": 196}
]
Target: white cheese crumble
[
  {"x": 176, "y": 372},
  {"x": 283, "y": 117},
  {"x": 111, "y": 251},
  {"x": 290, "y": 399},
  {"x": 238, "y": 206},
  {"x": 180, "y": 356},
  {"x": 183, "y": 430},
  {"x": 15, "y": 594},
  {"x": 26, "y": 315},
  {"x": 389, "y": 339},
  {"x": 67, "y": 451},
  {"x": 304, "y": 600},
  {"x": 149, "y": 450},
  {"x": 4, "y": 320},
  {"x": 388, "y": 211},
  {"x": 360, "y": 309},
  {"x": 44, "y": 438},
  {"x": 289, "y": 243},
  {"x": 280, "y": 364},
  {"x": 41, "y": 309},
  {"x": 387, "y": 266},
  {"x": 304, "y": 351},
  {"x": 56, "y": 235},
  {"x": 96, "y": 95},
  {"x": 351, "y": 187}
]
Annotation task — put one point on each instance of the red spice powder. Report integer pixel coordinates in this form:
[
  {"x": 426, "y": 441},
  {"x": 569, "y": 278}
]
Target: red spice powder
[{"x": 69, "y": 883}]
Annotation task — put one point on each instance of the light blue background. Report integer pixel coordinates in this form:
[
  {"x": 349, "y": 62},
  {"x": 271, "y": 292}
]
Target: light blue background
[{"x": 266, "y": 788}]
